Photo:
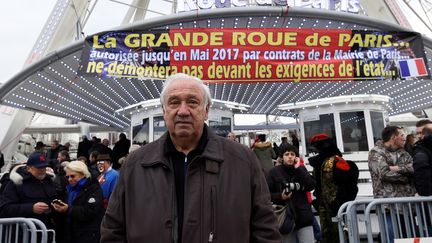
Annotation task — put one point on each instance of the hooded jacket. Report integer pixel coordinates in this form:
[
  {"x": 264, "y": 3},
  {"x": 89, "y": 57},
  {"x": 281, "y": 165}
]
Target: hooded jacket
[
  {"x": 265, "y": 154},
  {"x": 23, "y": 191},
  {"x": 226, "y": 198}
]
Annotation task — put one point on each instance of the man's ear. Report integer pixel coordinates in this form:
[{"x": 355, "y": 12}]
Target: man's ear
[{"x": 207, "y": 112}]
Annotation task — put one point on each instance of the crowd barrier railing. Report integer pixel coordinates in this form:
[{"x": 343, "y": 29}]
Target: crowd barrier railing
[
  {"x": 25, "y": 230},
  {"x": 393, "y": 218}
]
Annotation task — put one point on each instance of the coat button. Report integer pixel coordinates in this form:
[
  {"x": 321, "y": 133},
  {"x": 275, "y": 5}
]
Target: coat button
[{"x": 168, "y": 224}]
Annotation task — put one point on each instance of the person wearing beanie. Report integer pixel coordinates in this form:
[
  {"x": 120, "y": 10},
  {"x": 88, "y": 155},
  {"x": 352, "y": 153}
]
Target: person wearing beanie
[{"x": 336, "y": 183}]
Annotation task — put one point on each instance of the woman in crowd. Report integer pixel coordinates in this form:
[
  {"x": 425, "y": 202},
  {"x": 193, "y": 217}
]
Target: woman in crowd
[
  {"x": 84, "y": 209},
  {"x": 290, "y": 181}
]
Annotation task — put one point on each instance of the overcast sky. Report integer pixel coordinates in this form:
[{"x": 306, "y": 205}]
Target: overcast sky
[{"x": 21, "y": 21}]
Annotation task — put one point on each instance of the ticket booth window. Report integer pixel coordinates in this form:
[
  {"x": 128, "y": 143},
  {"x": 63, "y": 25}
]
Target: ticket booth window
[
  {"x": 158, "y": 127},
  {"x": 377, "y": 124},
  {"x": 353, "y": 129},
  {"x": 221, "y": 127},
  {"x": 325, "y": 124},
  {"x": 140, "y": 133}
]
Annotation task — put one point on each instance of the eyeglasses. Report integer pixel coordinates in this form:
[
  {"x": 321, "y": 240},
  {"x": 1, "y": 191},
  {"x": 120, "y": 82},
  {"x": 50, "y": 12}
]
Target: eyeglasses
[{"x": 70, "y": 176}]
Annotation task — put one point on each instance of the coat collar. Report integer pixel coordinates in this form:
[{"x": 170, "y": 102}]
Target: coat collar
[{"x": 212, "y": 151}]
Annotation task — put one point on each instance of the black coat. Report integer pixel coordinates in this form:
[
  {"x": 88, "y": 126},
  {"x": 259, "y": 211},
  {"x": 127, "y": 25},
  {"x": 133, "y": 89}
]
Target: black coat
[
  {"x": 23, "y": 191},
  {"x": 84, "y": 216},
  {"x": 83, "y": 148},
  {"x": 121, "y": 148},
  {"x": 423, "y": 166},
  {"x": 281, "y": 174}
]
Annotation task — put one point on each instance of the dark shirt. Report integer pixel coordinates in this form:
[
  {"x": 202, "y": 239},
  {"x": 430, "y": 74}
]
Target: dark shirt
[{"x": 180, "y": 163}]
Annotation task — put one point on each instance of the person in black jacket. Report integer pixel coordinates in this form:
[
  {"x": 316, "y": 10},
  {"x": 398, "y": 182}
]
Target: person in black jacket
[
  {"x": 290, "y": 181},
  {"x": 423, "y": 163},
  {"x": 121, "y": 149},
  {"x": 84, "y": 207},
  {"x": 84, "y": 147},
  {"x": 29, "y": 192}
]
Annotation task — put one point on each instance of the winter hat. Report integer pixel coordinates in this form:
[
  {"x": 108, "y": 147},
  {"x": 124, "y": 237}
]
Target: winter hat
[
  {"x": 319, "y": 137},
  {"x": 37, "y": 160}
]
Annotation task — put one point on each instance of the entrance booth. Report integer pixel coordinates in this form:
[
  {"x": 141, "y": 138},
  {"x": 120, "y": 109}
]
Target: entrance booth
[{"x": 354, "y": 122}]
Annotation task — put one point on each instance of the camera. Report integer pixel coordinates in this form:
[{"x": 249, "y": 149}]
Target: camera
[{"x": 291, "y": 186}]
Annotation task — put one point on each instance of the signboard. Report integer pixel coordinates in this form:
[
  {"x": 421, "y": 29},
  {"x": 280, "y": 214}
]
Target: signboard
[
  {"x": 351, "y": 6},
  {"x": 256, "y": 55}
]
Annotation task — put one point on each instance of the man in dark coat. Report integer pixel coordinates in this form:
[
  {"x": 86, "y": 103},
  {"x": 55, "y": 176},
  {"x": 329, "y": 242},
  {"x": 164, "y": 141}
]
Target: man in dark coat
[
  {"x": 52, "y": 154},
  {"x": 29, "y": 192},
  {"x": 191, "y": 185},
  {"x": 121, "y": 149},
  {"x": 423, "y": 163},
  {"x": 84, "y": 147},
  {"x": 336, "y": 183}
]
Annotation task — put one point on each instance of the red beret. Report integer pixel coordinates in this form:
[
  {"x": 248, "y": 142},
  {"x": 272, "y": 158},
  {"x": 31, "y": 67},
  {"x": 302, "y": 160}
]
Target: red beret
[{"x": 319, "y": 137}]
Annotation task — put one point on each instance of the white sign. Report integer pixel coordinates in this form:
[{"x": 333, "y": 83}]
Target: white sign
[
  {"x": 310, "y": 117},
  {"x": 351, "y": 6}
]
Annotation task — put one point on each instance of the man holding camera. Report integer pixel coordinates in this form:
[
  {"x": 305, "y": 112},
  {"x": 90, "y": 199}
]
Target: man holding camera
[{"x": 290, "y": 181}]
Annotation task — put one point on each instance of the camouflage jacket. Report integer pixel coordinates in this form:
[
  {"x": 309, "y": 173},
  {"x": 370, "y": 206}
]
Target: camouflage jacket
[{"x": 387, "y": 183}]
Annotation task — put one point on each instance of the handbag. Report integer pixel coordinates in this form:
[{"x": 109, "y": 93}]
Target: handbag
[{"x": 285, "y": 217}]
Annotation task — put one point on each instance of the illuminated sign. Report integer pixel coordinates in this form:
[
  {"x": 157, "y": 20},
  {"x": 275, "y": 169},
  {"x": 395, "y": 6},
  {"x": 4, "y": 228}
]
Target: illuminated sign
[{"x": 351, "y": 6}]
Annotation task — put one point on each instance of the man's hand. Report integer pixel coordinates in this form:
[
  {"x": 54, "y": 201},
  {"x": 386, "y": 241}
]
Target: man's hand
[
  {"x": 297, "y": 162},
  {"x": 40, "y": 208},
  {"x": 394, "y": 168},
  {"x": 60, "y": 206},
  {"x": 285, "y": 195}
]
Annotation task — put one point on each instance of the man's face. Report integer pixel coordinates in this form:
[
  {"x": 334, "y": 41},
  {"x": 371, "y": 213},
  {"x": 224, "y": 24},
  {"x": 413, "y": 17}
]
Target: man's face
[
  {"x": 61, "y": 158},
  {"x": 289, "y": 158},
  {"x": 103, "y": 166},
  {"x": 419, "y": 134},
  {"x": 54, "y": 145},
  {"x": 38, "y": 173},
  {"x": 184, "y": 109},
  {"x": 231, "y": 136},
  {"x": 399, "y": 140}
]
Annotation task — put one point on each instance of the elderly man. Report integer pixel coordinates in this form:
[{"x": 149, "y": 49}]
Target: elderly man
[{"x": 190, "y": 185}]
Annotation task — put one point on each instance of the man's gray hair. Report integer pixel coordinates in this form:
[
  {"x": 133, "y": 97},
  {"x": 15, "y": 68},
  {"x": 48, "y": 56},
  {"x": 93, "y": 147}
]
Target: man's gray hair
[{"x": 182, "y": 76}]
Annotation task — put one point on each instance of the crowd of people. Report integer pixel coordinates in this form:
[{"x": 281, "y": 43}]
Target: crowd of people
[
  {"x": 191, "y": 185},
  {"x": 68, "y": 196}
]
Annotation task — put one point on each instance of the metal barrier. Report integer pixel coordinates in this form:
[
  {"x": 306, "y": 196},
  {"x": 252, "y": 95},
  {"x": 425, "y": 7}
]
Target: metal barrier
[
  {"x": 25, "y": 230},
  {"x": 404, "y": 217},
  {"x": 347, "y": 219}
]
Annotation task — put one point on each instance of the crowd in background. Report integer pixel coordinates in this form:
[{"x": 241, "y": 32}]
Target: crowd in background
[
  {"x": 72, "y": 196},
  {"x": 68, "y": 196}
]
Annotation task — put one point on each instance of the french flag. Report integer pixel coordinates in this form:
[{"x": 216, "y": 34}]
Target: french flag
[{"x": 412, "y": 68}]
